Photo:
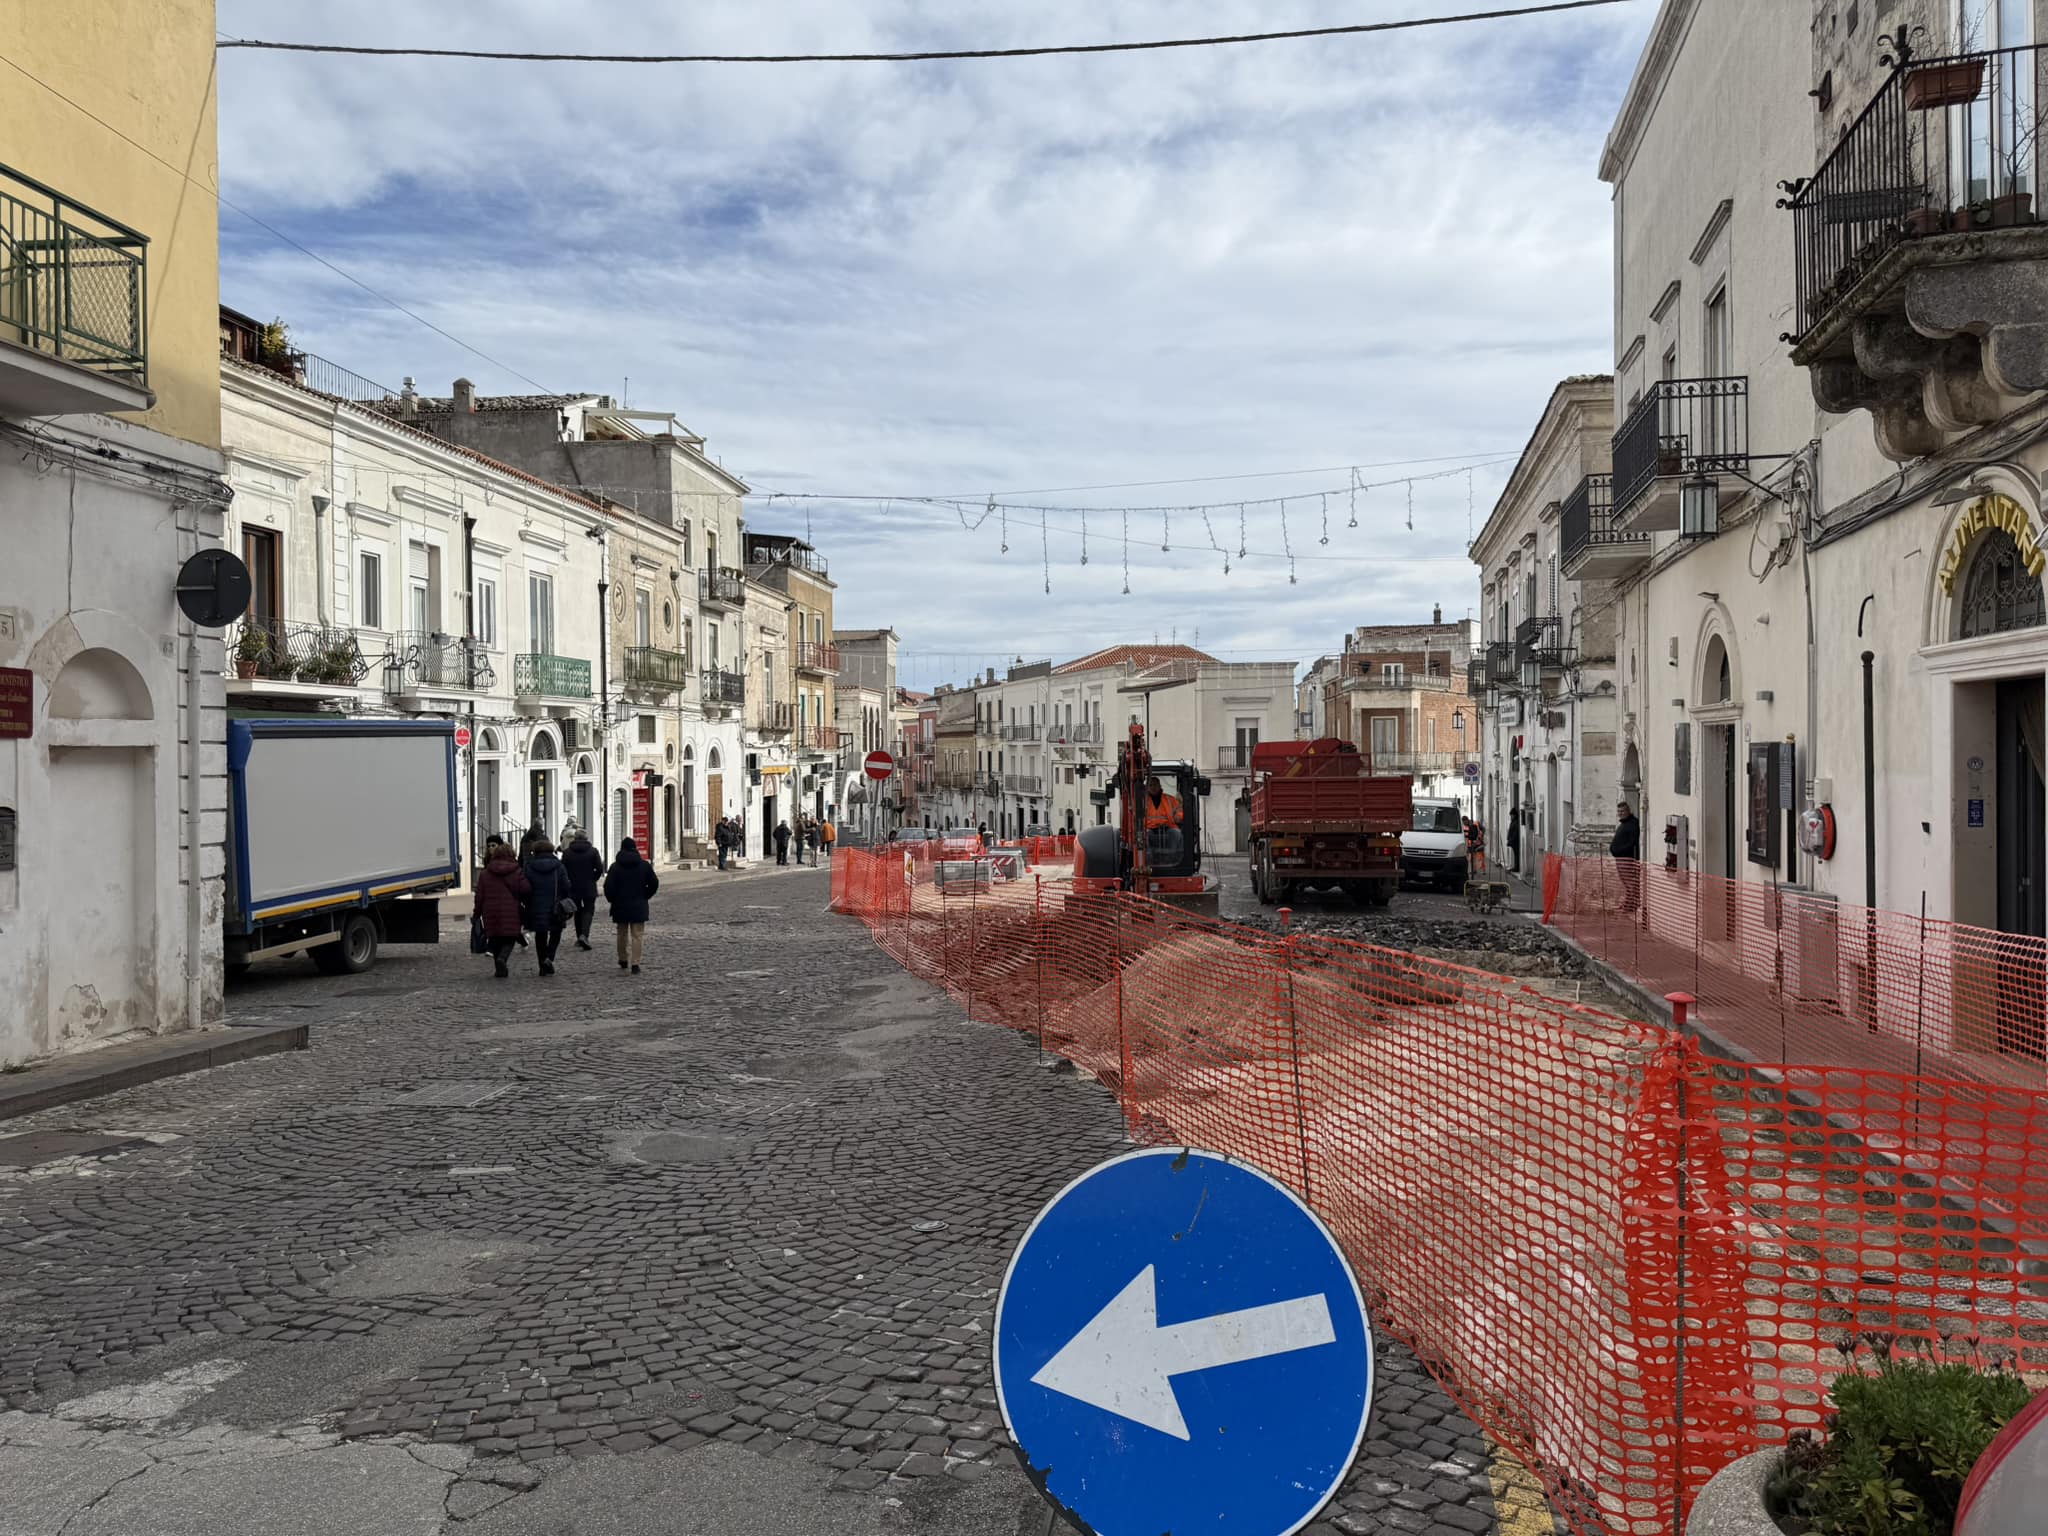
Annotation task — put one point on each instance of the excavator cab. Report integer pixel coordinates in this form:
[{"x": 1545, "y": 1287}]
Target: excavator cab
[{"x": 1171, "y": 826}]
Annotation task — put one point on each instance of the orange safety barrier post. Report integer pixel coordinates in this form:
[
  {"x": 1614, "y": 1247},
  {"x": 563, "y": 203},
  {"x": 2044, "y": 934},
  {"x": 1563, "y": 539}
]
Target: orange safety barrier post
[{"x": 1628, "y": 1260}]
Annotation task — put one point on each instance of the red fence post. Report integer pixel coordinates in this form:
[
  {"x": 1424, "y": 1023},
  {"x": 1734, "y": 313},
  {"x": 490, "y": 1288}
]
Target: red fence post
[
  {"x": 1038, "y": 954},
  {"x": 1680, "y": 1002},
  {"x": 1294, "y": 1055}
]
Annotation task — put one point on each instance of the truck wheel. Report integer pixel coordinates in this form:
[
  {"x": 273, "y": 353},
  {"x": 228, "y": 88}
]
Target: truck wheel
[
  {"x": 354, "y": 952},
  {"x": 1383, "y": 892},
  {"x": 1267, "y": 894}
]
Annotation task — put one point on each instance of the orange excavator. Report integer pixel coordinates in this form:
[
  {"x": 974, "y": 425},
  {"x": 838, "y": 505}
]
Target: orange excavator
[{"x": 1154, "y": 846}]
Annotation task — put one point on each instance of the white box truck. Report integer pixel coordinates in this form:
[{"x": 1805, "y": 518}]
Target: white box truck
[{"x": 341, "y": 835}]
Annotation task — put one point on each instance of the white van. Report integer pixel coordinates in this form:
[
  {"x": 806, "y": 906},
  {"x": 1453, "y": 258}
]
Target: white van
[{"x": 1434, "y": 848}]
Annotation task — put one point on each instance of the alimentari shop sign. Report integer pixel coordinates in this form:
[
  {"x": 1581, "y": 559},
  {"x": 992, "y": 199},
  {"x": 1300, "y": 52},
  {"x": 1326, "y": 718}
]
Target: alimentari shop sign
[{"x": 1980, "y": 517}]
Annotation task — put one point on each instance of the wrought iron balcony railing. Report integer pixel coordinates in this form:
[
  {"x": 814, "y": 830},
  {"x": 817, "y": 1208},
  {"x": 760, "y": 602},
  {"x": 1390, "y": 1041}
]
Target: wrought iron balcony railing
[
  {"x": 649, "y": 666},
  {"x": 73, "y": 283},
  {"x": 276, "y": 651},
  {"x": 1681, "y": 427},
  {"x": 1946, "y": 146},
  {"x": 1501, "y": 667},
  {"x": 991, "y": 784},
  {"x": 1421, "y": 762},
  {"x": 776, "y": 716},
  {"x": 724, "y": 687},
  {"x": 1587, "y": 522},
  {"x": 820, "y": 656},
  {"x": 1084, "y": 733},
  {"x": 1234, "y": 759},
  {"x": 1024, "y": 783},
  {"x": 1475, "y": 675},
  {"x": 723, "y": 585},
  {"x": 1541, "y": 640},
  {"x": 955, "y": 778},
  {"x": 1023, "y": 730},
  {"x": 536, "y": 675},
  {"x": 430, "y": 659},
  {"x": 1376, "y": 676}
]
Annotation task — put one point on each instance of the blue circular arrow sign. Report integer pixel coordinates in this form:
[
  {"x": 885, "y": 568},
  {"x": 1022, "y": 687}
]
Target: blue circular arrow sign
[{"x": 1181, "y": 1346}]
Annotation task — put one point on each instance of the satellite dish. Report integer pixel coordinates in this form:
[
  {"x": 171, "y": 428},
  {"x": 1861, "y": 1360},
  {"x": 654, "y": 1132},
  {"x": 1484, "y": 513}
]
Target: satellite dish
[{"x": 213, "y": 588}]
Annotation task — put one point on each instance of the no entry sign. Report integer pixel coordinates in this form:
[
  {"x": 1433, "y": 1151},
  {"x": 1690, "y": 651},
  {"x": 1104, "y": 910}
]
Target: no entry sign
[
  {"x": 880, "y": 765},
  {"x": 462, "y": 735}
]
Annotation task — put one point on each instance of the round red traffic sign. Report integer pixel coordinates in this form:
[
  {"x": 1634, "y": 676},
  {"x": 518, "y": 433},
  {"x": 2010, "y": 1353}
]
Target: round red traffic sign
[
  {"x": 462, "y": 735},
  {"x": 880, "y": 765}
]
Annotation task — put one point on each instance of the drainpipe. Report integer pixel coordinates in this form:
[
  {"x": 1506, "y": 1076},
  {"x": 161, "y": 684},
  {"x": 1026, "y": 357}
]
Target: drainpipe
[
  {"x": 469, "y": 676},
  {"x": 604, "y": 698},
  {"x": 195, "y": 858},
  {"x": 1869, "y": 789}
]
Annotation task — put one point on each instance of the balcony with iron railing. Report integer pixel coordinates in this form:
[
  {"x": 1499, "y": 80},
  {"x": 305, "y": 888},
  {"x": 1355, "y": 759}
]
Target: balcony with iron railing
[
  {"x": 818, "y": 656},
  {"x": 775, "y": 717},
  {"x": 538, "y": 675},
  {"x": 1667, "y": 452},
  {"x": 824, "y": 738},
  {"x": 1234, "y": 760},
  {"x": 1422, "y": 764},
  {"x": 278, "y": 656},
  {"x": 723, "y": 689},
  {"x": 1931, "y": 201},
  {"x": 1539, "y": 642},
  {"x": 656, "y": 670},
  {"x": 991, "y": 784},
  {"x": 1475, "y": 674},
  {"x": 433, "y": 662},
  {"x": 791, "y": 555},
  {"x": 955, "y": 778},
  {"x": 1074, "y": 733},
  {"x": 73, "y": 300},
  {"x": 1501, "y": 666},
  {"x": 723, "y": 586},
  {"x": 1023, "y": 730},
  {"x": 1379, "y": 677},
  {"x": 1023, "y": 783},
  {"x": 1590, "y": 546}
]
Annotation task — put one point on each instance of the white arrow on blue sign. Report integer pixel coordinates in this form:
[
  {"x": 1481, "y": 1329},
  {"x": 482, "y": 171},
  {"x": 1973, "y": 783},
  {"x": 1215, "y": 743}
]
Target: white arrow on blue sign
[{"x": 1180, "y": 1345}]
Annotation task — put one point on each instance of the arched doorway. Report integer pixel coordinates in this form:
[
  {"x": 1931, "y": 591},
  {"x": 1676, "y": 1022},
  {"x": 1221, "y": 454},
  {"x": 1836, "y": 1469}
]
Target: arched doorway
[
  {"x": 490, "y": 812},
  {"x": 688, "y": 774},
  {"x": 1717, "y": 709},
  {"x": 543, "y": 771},
  {"x": 102, "y": 814},
  {"x": 586, "y": 791}
]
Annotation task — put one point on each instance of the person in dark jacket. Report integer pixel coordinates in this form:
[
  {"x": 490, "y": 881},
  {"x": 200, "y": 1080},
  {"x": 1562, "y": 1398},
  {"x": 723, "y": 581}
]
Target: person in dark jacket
[
  {"x": 586, "y": 867},
  {"x": 782, "y": 842},
  {"x": 814, "y": 839},
  {"x": 1627, "y": 848},
  {"x": 550, "y": 888},
  {"x": 501, "y": 889},
  {"x": 722, "y": 835},
  {"x": 627, "y": 888},
  {"x": 1515, "y": 838},
  {"x": 533, "y": 834}
]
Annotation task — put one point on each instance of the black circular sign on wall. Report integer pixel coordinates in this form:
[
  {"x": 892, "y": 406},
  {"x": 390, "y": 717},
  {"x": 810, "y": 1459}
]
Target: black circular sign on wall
[{"x": 213, "y": 587}]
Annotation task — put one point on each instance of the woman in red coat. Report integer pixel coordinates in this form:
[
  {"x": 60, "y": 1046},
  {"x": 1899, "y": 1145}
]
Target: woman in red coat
[{"x": 499, "y": 891}]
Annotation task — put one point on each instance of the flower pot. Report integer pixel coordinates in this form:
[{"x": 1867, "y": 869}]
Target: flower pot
[
  {"x": 2010, "y": 211},
  {"x": 1925, "y": 221},
  {"x": 245, "y": 667},
  {"x": 1944, "y": 85},
  {"x": 1732, "y": 1503}
]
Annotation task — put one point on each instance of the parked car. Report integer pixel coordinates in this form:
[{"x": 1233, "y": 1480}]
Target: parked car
[
  {"x": 1434, "y": 849},
  {"x": 960, "y": 843},
  {"x": 914, "y": 835}
]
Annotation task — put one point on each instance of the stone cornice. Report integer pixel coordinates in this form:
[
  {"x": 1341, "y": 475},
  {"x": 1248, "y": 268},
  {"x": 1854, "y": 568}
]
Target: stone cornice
[{"x": 1667, "y": 33}]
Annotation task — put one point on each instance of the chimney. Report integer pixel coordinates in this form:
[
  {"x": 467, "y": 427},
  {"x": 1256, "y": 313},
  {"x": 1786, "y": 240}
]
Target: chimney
[
  {"x": 1436, "y": 614},
  {"x": 465, "y": 397},
  {"x": 408, "y": 400}
]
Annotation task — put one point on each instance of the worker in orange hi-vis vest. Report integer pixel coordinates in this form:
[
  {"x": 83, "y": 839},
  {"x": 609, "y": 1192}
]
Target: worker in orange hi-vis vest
[{"x": 1161, "y": 809}]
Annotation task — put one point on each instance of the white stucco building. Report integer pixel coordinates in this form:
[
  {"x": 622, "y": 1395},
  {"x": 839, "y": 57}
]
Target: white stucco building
[
  {"x": 1545, "y": 673},
  {"x": 1831, "y": 446},
  {"x": 396, "y": 574}
]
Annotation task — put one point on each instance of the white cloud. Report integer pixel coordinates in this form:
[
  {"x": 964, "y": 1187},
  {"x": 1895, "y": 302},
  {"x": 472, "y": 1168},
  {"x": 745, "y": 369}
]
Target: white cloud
[{"x": 962, "y": 278}]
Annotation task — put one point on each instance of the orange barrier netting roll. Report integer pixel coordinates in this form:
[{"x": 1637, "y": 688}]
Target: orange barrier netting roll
[{"x": 1628, "y": 1260}]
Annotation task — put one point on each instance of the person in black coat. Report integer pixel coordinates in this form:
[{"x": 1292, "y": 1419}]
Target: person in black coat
[
  {"x": 782, "y": 842},
  {"x": 631, "y": 881},
  {"x": 1627, "y": 848},
  {"x": 550, "y": 888},
  {"x": 722, "y": 835},
  {"x": 586, "y": 867}
]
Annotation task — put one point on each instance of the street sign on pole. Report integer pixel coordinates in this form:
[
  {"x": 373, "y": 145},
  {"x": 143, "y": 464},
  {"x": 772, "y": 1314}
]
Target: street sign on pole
[
  {"x": 462, "y": 736},
  {"x": 1179, "y": 1346},
  {"x": 1471, "y": 773},
  {"x": 880, "y": 765}
]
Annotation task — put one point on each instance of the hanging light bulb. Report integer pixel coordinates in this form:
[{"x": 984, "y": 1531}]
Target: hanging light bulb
[
  {"x": 1165, "y": 532},
  {"x": 1240, "y": 530},
  {"x": 1326, "y": 518},
  {"x": 1354, "y": 499},
  {"x": 1084, "y": 538}
]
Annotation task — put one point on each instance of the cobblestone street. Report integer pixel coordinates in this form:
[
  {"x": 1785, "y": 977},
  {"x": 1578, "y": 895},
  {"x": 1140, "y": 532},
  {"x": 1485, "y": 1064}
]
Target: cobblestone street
[{"x": 715, "y": 1248}]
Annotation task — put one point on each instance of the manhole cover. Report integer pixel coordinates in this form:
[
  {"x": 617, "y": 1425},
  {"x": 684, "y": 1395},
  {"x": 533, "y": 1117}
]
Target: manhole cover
[
  {"x": 450, "y": 1095},
  {"x": 27, "y": 1148}
]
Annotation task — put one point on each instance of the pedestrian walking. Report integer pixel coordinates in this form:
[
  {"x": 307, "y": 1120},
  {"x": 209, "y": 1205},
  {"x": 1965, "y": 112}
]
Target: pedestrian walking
[
  {"x": 1515, "y": 839},
  {"x": 1627, "y": 848},
  {"x": 813, "y": 837},
  {"x": 533, "y": 834},
  {"x": 831, "y": 837},
  {"x": 586, "y": 867},
  {"x": 722, "y": 835},
  {"x": 982, "y": 830},
  {"x": 782, "y": 842},
  {"x": 631, "y": 881},
  {"x": 501, "y": 891},
  {"x": 547, "y": 903}
]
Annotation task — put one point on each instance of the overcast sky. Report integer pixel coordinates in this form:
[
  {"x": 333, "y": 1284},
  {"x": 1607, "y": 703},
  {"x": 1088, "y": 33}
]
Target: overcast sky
[{"x": 975, "y": 279}]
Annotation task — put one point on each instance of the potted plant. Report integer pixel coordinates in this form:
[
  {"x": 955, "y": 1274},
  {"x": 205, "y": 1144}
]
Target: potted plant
[
  {"x": 250, "y": 649},
  {"x": 1899, "y": 1444},
  {"x": 1950, "y": 83}
]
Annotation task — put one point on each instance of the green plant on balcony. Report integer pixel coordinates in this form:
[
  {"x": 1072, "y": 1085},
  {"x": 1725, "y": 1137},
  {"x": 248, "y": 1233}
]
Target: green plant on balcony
[
  {"x": 274, "y": 343},
  {"x": 1899, "y": 1446},
  {"x": 333, "y": 662},
  {"x": 250, "y": 649}
]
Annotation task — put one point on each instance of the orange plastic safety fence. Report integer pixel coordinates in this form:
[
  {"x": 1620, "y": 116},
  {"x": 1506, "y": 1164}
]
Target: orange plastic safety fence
[{"x": 1630, "y": 1262}]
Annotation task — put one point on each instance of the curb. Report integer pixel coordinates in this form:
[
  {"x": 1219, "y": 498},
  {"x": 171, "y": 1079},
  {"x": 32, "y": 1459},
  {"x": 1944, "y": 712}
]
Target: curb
[{"x": 67, "y": 1079}]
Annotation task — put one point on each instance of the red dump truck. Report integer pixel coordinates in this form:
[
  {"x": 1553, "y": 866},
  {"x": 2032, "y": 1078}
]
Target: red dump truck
[{"x": 1322, "y": 819}]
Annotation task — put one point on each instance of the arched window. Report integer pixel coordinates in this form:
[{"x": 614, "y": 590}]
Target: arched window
[
  {"x": 488, "y": 742},
  {"x": 1716, "y": 678},
  {"x": 1998, "y": 594},
  {"x": 542, "y": 748},
  {"x": 712, "y": 761}
]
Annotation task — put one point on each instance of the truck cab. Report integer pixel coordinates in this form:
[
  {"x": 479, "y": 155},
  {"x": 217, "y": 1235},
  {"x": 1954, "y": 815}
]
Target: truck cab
[{"x": 1434, "y": 849}]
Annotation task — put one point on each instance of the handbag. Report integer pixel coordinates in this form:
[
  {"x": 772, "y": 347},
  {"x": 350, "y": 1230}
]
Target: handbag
[
  {"x": 565, "y": 911},
  {"x": 478, "y": 944}
]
